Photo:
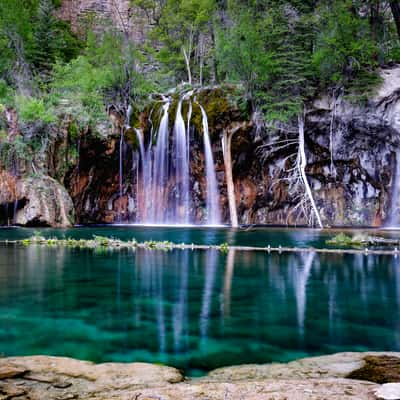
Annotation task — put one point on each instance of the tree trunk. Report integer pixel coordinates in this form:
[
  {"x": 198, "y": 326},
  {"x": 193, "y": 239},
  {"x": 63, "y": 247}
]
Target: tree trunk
[
  {"x": 395, "y": 6},
  {"x": 302, "y": 167},
  {"x": 226, "y": 146},
  {"x": 187, "y": 62},
  {"x": 374, "y": 19},
  {"x": 214, "y": 69}
]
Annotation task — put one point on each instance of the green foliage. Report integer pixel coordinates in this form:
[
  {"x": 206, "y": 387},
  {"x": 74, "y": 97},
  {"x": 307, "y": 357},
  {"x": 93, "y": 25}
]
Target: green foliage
[
  {"x": 182, "y": 26},
  {"x": 98, "y": 76},
  {"x": 344, "y": 240},
  {"x": 346, "y": 54},
  {"x": 224, "y": 248},
  {"x": 269, "y": 53},
  {"x": 33, "y": 110},
  {"x": 13, "y": 150},
  {"x": 31, "y": 39},
  {"x": 6, "y": 94}
]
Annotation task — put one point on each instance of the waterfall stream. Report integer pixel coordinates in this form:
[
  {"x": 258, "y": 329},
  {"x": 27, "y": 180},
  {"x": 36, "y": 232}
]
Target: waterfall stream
[
  {"x": 213, "y": 212},
  {"x": 181, "y": 201},
  {"x": 394, "y": 216},
  {"x": 163, "y": 176}
]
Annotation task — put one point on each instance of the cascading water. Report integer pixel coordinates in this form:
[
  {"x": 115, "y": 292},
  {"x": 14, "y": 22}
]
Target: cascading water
[
  {"x": 213, "y": 212},
  {"x": 163, "y": 174},
  {"x": 121, "y": 148},
  {"x": 158, "y": 207},
  {"x": 181, "y": 206},
  {"x": 394, "y": 216}
]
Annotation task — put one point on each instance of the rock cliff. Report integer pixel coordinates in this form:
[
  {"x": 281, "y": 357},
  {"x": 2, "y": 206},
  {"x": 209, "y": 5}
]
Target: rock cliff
[{"x": 351, "y": 164}]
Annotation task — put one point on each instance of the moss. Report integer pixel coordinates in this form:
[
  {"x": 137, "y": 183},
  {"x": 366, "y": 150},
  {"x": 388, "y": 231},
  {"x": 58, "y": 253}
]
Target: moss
[
  {"x": 135, "y": 121},
  {"x": 73, "y": 130},
  {"x": 378, "y": 369},
  {"x": 345, "y": 241},
  {"x": 224, "y": 248}
]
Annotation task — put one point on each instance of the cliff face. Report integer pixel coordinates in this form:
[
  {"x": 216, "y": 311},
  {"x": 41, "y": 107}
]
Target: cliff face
[
  {"x": 351, "y": 152},
  {"x": 351, "y": 163},
  {"x": 120, "y": 13}
]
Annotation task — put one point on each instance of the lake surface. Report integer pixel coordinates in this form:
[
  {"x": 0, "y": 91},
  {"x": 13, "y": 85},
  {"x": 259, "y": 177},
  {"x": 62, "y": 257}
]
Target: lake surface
[{"x": 196, "y": 310}]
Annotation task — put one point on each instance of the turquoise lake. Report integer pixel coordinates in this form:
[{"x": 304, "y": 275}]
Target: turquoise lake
[{"x": 196, "y": 310}]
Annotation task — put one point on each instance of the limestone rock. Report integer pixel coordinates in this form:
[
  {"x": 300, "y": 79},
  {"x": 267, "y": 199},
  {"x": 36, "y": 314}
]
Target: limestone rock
[
  {"x": 8, "y": 370},
  {"x": 316, "y": 378},
  {"x": 331, "y": 366},
  {"x": 388, "y": 391},
  {"x": 45, "y": 202}
]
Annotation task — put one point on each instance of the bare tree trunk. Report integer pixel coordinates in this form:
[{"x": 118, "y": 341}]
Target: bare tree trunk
[
  {"x": 187, "y": 62},
  {"x": 226, "y": 146},
  {"x": 302, "y": 161},
  {"x": 187, "y": 55},
  {"x": 374, "y": 18},
  {"x": 214, "y": 70},
  {"x": 395, "y": 6}
]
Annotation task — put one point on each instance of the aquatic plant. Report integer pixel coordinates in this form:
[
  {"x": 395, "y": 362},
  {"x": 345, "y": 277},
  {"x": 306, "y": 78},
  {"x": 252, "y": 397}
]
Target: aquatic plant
[{"x": 344, "y": 240}]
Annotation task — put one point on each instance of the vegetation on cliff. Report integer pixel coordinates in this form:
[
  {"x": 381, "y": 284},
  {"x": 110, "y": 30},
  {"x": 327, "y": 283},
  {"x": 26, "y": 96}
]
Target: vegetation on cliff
[
  {"x": 281, "y": 51},
  {"x": 59, "y": 83}
]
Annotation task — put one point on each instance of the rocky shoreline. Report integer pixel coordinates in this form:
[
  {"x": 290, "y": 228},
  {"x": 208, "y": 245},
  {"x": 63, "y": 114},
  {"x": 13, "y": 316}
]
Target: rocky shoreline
[{"x": 372, "y": 375}]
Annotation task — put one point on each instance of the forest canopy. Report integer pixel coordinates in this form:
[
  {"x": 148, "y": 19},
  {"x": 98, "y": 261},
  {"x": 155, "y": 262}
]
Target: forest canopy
[{"x": 280, "y": 52}]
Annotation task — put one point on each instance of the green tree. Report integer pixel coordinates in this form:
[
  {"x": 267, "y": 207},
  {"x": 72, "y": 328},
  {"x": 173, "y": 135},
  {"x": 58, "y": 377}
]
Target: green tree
[
  {"x": 345, "y": 54},
  {"x": 105, "y": 73},
  {"x": 269, "y": 51},
  {"x": 184, "y": 29}
]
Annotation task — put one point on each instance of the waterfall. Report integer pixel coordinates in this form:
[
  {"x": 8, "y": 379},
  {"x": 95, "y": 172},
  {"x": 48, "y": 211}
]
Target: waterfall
[
  {"x": 181, "y": 206},
  {"x": 394, "y": 216},
  {"x": 163, "y": 174},
  {"x": 157, "y": 209},
  {"x": 141, "y": 203},
  {"x": 212, "y": 203},
  {"x": 121, "y": 146}
]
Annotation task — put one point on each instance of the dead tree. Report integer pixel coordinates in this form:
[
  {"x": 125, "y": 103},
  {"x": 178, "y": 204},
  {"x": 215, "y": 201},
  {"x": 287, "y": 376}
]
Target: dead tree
[{"x": 296, "y": 176}]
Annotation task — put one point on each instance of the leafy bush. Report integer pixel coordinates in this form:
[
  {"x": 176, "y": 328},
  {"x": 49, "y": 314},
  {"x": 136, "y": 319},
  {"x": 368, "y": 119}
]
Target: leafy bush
[{"x": 31, "y": 109}]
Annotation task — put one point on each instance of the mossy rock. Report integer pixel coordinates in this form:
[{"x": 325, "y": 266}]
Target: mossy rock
[
  {"x": 222, "y": 105},
  {"x": 378, "y": 369},
  {"x": 135, "y": 120}
]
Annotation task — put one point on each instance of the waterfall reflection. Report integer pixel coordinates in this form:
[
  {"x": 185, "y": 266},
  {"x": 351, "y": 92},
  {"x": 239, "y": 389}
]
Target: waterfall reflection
[
  {"x": 180, "y": 309},
  {"x": 301, "y": 274},
  {"x": 196, "y": 308},
  {"x": 230, "y": 264},
  {"x": 200, "y": 299},
  {"x": 210, "y": 270}
]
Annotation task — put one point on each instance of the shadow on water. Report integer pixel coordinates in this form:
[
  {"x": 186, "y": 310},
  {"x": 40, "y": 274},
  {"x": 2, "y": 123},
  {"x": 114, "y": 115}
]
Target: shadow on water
[{"x": 196, "y": 310}]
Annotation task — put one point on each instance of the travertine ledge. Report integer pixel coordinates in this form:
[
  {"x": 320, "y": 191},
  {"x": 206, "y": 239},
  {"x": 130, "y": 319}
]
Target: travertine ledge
[{"x": 325, "y": 377}]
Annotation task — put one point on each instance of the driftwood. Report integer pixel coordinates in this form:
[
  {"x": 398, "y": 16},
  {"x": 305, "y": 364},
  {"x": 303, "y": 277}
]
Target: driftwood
[{"x": 166, "y": 246}]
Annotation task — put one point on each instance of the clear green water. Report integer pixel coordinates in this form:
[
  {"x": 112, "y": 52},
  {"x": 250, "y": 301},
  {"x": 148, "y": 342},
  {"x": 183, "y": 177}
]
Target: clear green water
[{"x": 196, "y": 310}]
